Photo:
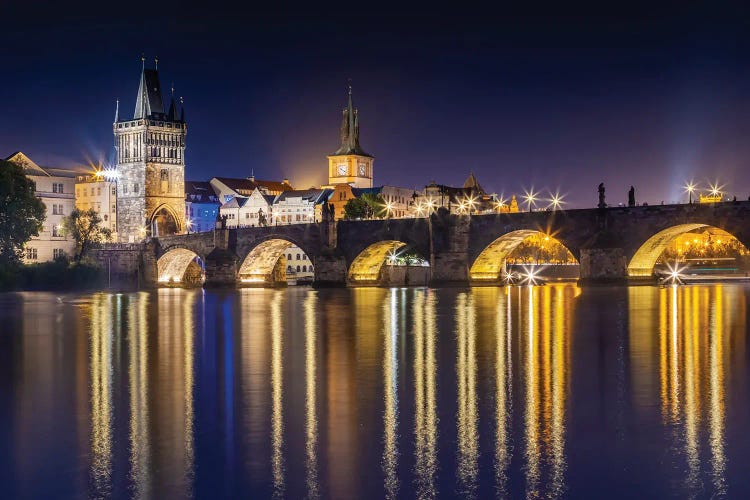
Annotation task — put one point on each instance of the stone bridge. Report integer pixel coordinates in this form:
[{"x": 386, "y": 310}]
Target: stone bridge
[{"x": 612, "y": 244}]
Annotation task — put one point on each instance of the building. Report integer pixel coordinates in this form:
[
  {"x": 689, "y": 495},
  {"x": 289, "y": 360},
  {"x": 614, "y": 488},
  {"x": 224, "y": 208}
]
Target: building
[
  {"x": 56, "y": 188},
  {"x": 249, "y": 211},
  {"x": 399, "y": 202},
  {"x": 98, "y": 191},
  {"x": 469, "y": 199},
  {"x": 227, "y": 188},
  {"x": 299, "y": 206},
  {"x": 150, "y": 153},
  {"x": 350, "y": 164},
  {"x": 201, "y": 206},
  {"x": 299, "y": 269}
]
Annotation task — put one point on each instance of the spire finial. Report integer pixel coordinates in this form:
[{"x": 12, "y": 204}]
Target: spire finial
[
  {"x": 143, "y": 60},
  {"x": 117, "y": 111},
  {"x": 156, "y": 62},
  {"x": 173, "y": 89},
  {"x": 182, "y": 101},
  {"x": 350, "y": 86}
]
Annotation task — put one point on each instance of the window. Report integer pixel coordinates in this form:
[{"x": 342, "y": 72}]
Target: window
[
  {"x": 58, "y": 252},
  {"x": 98, "y": 191},
  {"x": 304, "y": 269},
  {"x": 124, "y": 188},
  {"x": 247, "y": 215},
  {"x": 57, "y": 187},
  {"x": 164, "y": 175},
  {"x": 135, "y": 187},
  {"x": 57, "y": 209},
  {"x": 304, "y": 256},
  {"x": 298, "y": 257},
  {"x": 297, "y": 268},
  {"x": 56, "y": 231},
  {"x": 31, "y": 254},
  {"x": 114, "y": 190}
]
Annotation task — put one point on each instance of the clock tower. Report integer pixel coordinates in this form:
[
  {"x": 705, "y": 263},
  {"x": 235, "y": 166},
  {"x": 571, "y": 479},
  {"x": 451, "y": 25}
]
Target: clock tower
[{"x": 350, "y": 164}]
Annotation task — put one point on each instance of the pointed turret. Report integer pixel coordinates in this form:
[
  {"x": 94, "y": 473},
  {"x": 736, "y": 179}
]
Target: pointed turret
[
  {"x": 350, "y": 131},
  {"x": 182, "y": 110},
  {"x": 172, "y": 113},
  {"x": 149, "y": 100},
  {"x": 473, "y": 183}
]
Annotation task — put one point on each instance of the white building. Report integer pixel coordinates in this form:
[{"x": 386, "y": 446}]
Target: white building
[
  {"x": 298, "y": 267},
  {"x": 99, "y": 192},
  {"x": 56, "y": 188},
  {"x": 249, "y": 211},
  {"x": 299, "y": 207},
  {"x": 227, "y": 188},
  {"x": 399, "y": 201}
]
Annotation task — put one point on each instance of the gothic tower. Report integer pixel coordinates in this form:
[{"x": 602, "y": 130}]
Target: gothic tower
[
  {"x": 350, "y": 164},
  {"x": 150, "y": 152}
]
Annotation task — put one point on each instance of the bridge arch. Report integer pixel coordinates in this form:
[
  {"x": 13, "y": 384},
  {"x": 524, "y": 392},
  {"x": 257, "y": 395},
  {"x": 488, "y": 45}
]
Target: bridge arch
[
  {"x": 368, "y": 266},
  {"x": 180, "y": 266},
  {"x": 268, "y": 262},
  {"x": 489, "y": 264},
  {"x": 164, "y": 221},
  {"x": 644, "y": 259}
]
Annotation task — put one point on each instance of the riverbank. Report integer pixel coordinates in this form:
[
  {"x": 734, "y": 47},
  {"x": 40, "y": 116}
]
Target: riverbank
[{"x": 59, "y": 274}]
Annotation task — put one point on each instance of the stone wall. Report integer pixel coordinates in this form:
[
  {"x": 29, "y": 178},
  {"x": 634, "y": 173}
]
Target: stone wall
[
  {"x": 603, "y": 265},
  {"x": 122, "y": 262},
  {"x": 405, "y": 276}
]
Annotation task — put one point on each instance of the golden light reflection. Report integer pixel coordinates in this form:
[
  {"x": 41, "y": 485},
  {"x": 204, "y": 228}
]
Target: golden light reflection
[
  {"x": 277, "y": 396},
  {"x": 311, "y": 416},
  {"x": 693, "y": 327},
  {"x": 259, "y": 264},
  {"x": 503, "y": 390},
  {"x": 642, "y": 263},
  {"x": 101, "y": 394},
  {"x": 390, "y": 384},
  {"x": 468, "y": 435},
  {"x": 425, "y": 419},
  {"x": 140, "y": 449},
  {"x": 172, "y": 265},
  {"x": 545, "y": 349}
]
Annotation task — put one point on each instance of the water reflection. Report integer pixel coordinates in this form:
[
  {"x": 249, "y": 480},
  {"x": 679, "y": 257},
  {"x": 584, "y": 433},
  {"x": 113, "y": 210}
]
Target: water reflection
[
  {"x": 311, "y": 413},
  {"x": 694, "y": 325},
  {"x": 425, "y": 418},
  {"x": 101, "y": 395},
  {"x": 353, "y": 393}
]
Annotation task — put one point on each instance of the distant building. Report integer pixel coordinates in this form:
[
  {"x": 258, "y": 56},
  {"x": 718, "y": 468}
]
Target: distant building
[
  {"x": 298, "y": 266},
  {"x": 201, "y": 206},
  {"x": 98, "y": 191},
  {"x": 56, "y": 188},
  {"x": 469, "y": 199},
  {"x": 249, "y": 211},
  {"x": 350, "y": 164},
  {"x": 710, "y": 198},
  {"x": 399, "y": 200},
  {"x": 150, "y": 153},
  {"x": 227, "y": 188},
  {"x": 299, "y": 207}
]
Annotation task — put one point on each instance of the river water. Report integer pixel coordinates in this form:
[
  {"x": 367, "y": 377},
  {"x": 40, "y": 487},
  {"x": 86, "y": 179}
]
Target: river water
[{"x": 551, "y": 391}]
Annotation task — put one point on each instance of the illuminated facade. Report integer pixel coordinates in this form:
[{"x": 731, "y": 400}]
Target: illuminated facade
[
  {"x": 150, "y": 153},
  {"x": 97, "y": 192},
  {"x": 56, "y": 188},
  {"x": 201, "y": 206},
  {"x": 350, "y": 164}
]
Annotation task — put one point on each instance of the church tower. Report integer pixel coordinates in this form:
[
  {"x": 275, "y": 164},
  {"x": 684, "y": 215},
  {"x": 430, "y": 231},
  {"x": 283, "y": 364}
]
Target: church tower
[
  {"x": 150, "y": 152},
  {"x": 350, "y": 164}
]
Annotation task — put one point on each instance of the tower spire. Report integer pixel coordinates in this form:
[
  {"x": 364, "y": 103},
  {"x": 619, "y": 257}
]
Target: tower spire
[
  {"x": 117, "y": 110},
  {"x": 350, "y": 129}
]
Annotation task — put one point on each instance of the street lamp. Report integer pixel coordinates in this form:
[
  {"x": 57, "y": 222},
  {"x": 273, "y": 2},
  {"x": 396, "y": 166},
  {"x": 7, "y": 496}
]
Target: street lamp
[
  {"x": 556, "y": 200},
  {"x": 530, "y": 197},
  {"x": 188, "y": 224},
  {"x": 690, "y": 188}
]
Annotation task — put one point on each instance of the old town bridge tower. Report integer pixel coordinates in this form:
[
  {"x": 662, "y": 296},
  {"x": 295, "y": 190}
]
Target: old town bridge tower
[{"x": 150, "y": 152}]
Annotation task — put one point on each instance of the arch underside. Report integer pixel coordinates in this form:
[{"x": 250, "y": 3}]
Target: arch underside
[
  {"x": 489, "y": 264},
  {"x": 171, "y": 266},
  {"x": 367, "y": 265},
  {"x": 164, "y": 222},
  {"x": 642, "y": 263},
  {"x": 259, "y": 265}
]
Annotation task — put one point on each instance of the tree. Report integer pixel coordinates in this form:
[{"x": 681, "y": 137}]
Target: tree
[
  {"x": 366, "y": 206},
  {"x": 21, "y": 212},
  {"x": 356, "y": 208},
  {"x": 85, "y": 226}
]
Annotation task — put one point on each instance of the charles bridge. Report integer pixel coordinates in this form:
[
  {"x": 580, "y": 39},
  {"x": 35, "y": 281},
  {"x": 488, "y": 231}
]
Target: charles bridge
[{"x": 611, "y": 244}]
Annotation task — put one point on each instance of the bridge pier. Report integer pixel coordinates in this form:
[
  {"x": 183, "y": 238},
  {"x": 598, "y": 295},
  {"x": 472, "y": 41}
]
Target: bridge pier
[
  {"x": 603, "y": 265},
  {"x": 221, "y": 268},
  {"x": 330, "y": 271}
]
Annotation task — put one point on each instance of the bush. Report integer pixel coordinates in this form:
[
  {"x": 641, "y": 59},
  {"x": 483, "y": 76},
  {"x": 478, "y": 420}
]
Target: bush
[{"x": 58, "y": 274}]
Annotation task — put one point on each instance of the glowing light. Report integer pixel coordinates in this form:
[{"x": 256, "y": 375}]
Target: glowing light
[
  {"x": 715, "y": 189},
  {"x": 471, "y": 203},
  {"x": 510, "y": 277},
  {"x": 530, "y": 276},
  {"x": 388, "y": 208},
  {"x": 690, "y": 189},
  {"x": 252, "y": 279},
  {"x": 500, "y": 203},
  {"x": 675, "y": 274},
  {"x": 556, "y": 200},
  {"x": 531, "y": 198}
]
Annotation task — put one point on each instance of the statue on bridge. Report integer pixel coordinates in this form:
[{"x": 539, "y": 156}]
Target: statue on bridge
[
  {"x": 602, "y": 204},
  {"x": 631, "y": 197}
]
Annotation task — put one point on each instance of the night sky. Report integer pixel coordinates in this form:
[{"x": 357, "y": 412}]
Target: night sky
[{"x": 558, "y": 100}]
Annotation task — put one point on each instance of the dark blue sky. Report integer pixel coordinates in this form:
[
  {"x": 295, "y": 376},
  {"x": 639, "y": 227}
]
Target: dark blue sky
[{"x": 560, "y": 100}]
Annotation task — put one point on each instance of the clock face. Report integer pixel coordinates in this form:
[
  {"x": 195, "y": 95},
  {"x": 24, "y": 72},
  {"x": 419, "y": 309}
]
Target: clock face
[
  {"x": 362, "y": 169},
  {"x": 342, "y": 169}
]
